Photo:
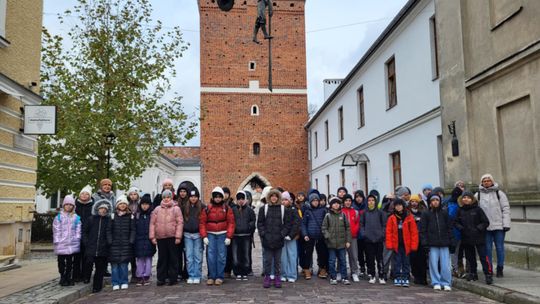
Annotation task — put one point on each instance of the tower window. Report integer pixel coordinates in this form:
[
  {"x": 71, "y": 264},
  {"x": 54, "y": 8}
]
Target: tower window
[
  {"x": 254, "y": 110},
  {"x": 256, "y": 148},
  {"x": 252, "y": 65}
]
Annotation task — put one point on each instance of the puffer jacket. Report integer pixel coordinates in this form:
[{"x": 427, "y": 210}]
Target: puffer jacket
[
  {"x": 273, "y": 226},
  {"x": 217, "y": 219},
  {"x": 312, "y": 222},
  {"x": 244, "y": 219},
  {"x": 496, "y": 209},
  {"x": 84, "y": 210},
  {"x": 94, "y": 236},
  {"x": 296, "y": 223},
  {"x": 436, "y": 228},
  {"x": 121, "y": 237},
  {"x": 353, "y": 216},
  {"x": 101, "y": 196},
  {"x": 336, "y": 230},
  {"x": 410, "y": 233},
  {"x": 166, "y": 222},
  {"x": 373, "y": 225},
  {"x": 143, "y": 245},
  {"x": 66, "y": 233},
  {"x": 472, "y": 222}
]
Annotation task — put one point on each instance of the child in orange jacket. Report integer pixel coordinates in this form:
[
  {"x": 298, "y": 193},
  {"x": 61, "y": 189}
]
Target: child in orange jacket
[{"x": 402, "y": 238}]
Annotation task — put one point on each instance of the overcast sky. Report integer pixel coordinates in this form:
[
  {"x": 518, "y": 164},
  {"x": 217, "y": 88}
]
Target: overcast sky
[{"x": 337, "y": 33}]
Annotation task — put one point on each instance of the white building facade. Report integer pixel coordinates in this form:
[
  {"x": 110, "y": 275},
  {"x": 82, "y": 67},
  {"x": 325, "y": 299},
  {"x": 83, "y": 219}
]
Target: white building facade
[{"x": 381, "y": 127}]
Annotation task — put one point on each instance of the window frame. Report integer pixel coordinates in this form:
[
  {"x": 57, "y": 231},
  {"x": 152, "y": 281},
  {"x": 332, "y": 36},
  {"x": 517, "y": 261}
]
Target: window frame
[
  {"x": 327, "y": 135},
  {"x": 361, "y": 109},
  {"x": 341, "y": 119},
  {"x": 391, "y": 83},
  {"x": 396, "y": 168},
  {"x": 434, "y": 42}
]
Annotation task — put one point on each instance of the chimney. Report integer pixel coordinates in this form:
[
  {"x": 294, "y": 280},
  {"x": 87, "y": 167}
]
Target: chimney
[{"x": 330, "y": 86}]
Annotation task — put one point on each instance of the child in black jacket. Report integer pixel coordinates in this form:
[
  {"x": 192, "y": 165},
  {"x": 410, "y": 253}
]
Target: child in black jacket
[{"x": 244, "y": 218}]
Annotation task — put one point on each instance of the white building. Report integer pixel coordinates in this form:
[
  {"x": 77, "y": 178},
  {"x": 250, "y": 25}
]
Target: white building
[
  {"x": 381, "y": 126},
  {"x": 178, "y": 163}
]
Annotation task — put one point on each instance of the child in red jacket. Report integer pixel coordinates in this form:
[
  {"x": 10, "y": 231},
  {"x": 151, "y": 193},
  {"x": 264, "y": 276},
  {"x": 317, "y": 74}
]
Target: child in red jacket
[
  {"x": 402, "y": 238},
  {"x": 353, "y": 216}
]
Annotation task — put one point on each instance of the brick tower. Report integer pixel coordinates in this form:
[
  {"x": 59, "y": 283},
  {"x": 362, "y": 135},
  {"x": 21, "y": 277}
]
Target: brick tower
[{"x": 249, "y": 135}]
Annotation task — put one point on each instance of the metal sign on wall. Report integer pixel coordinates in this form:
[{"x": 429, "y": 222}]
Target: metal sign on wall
[{"x": 39, "y": 120}]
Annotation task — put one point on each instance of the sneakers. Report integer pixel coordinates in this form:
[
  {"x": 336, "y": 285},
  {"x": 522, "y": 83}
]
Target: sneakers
[
  {"x": 196, "y": 281},
  {"x": 447, "y": 288},
  {"x": 372, "y": 280},
  {"x": 124, "y": 286},
  {"x": 405, "y": 283},
  {"x": 397, "y": 282},
  {"x": 116, "y": 287},
  {"x": 382, "y": 281},
  {"x": 346, "y": 282},
  {"x": 239, "y": 278},
  {"x": 307, "y": 274},
  {"x": 437, "y": 287},
  {"x": 146, "y": 282},
  {"x": 323, "y": 274},
  {"x": 333, "y": 282},
  {"x": 190, "y": 281},
  {"x": 244, "y": 278},
  {"x": 140, "y": 282},
  {"x": 266, "y": 281},
  {"x": 500, "y": 273},
  {"x": 218, "y": 282},
  {"x": 355, "y": 278},
  {"x": 277, "y": 282},
  {"x": 489, "y": 279},
  {"x": 209, "y": 282},
  {"x": 291, "y": 280},
  {"x": 283, "y": 279}
]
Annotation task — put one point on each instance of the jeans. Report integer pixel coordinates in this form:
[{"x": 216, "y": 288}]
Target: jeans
[
  {"x": 352, "y": 252},
  {"x": 440, "y": 255},
  {"x": 272, "y": 261},
  {"x": 496, "y": 236},
  {"x": 240, "y": 254},
  {"x": 470, "y": 254},
  {"x": 401, "y": 265},
  {"x": 167, "y": 265},
  {"x": 374, "y": 253},
  {"x": 144, "y": 267},
  {"x": 340, "y": 254},
  {"x": 194, "y": 251},
  {"x": 289, "y": 255},
  {"x": 119, "y": 273},
  {"x": 216, "y": 256}
]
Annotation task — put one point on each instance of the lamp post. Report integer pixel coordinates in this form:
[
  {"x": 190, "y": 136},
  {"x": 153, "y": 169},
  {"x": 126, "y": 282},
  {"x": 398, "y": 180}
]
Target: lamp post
[{"x": 109, "y": 140}]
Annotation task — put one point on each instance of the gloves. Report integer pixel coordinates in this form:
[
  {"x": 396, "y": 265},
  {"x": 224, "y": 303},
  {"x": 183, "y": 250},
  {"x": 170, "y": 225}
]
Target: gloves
[
  {"x": 287, "y": 238},
  {"x": 227, "y": 242},
  {"x": 506, "y": 229},
  {"x": 206, "y": 241}
]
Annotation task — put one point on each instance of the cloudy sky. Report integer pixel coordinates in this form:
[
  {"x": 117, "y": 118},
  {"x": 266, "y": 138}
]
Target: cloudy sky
[{"x": 337, "y": 33}]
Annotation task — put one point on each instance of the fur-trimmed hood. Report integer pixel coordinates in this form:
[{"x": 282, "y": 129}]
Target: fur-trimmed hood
[
  {"x": 100, "y": 203},
  {"x": 272, "y": 192}
]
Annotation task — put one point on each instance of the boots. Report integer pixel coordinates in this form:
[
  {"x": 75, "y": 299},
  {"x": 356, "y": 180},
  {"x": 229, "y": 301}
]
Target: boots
[
  {"x": 266, "y": 281},
  {"x": 266, "y": 36},
  {"x": 277, "y": 281},
  {"x": 489, "y": 279},
  {"x": 323, "y": 274},
  {"x": 307, "y": 274},
  {"x": 255, "y": 31},
  {"x": 500, "y": 272},
  {"x": 63, "y": 280}
]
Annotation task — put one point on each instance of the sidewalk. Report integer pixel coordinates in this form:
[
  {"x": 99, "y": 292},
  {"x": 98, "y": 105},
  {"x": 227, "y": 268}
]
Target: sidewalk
[{"x": 517, "y": 286}]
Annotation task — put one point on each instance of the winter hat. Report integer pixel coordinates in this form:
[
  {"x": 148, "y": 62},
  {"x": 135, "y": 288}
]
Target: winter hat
[
  {"x": 335, "y": 200},
  {"x": 359, "y": 193},
  {"x": 347, "y": 196},
  {"x": 102, "y": 203},
  {"x": 105, "y": 181},
  {"x": 86, "y": 189},
  {"x": 217, "y": 192},
  {"x": 399, "y": 201},
  {"x": 249, "y": 198},
  {"x": 487, "y": 175},
  {"x": 468, "y": 194},
  {"x": 415, "y": 198},
  {"x": 322, "y": 197},
  {"x": 122, "y": 199},
  {"x": 145, "y": 199},
  {"x": 68, "y": 200},
  {"x": 240, "y": 195},
  {"x": 166, "y": 193},
  {"x": 402, "y": 191},
  {"x": 427, "y": 187},
  {"x": 300, "y": 193},
  {"x": 434, "y": 197},
  {"x": 265, "y": 192},
  {"x": 438, "y": 189},
  {"x": 226, "y": 190},
  {"x": 313, "y": 197},
  {"x": 167, "y": 181},
  {"x": 183, "y": 185},
  {"x": 194, "y": 192},
  {"x": 133, "y": 190},
  {"x": 342, "y": 188},
  {"x": 285, "y": 196}
]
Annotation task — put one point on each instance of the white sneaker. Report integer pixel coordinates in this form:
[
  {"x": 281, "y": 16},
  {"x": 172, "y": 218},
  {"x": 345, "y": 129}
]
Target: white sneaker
[
  {"x": 124, "y": 286},
  {"x": 447, "y": 288},
  {"x": 283, "y": 279},
  {"x": 382, "y": 281},
  {"x": 196, "y": 281},
  {"x": 372, "y": 280},
  {"x": 115, "y": 287},
  {"x": 190, "y": 281},
  {"x": 437, "y": 287},
  {"x": 271, "y": 277},
  {"x": 291, "y": 280},
  {"x": 355, "y": 278},
  {"x": 333, "y": 282}
]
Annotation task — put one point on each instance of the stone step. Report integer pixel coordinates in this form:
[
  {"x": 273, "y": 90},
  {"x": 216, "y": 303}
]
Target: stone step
[{"x": 8, "y": 262}]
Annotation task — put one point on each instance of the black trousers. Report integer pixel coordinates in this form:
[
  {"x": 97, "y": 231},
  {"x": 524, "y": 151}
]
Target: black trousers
[
  {"x": 470, "y": 256},
  {"x": 167, "y": 265},
  {"x": 419, "y": 261},
  {"x": 82, "y": 269},
  {"x": 374, "y": 253},
  {"x": 133, "y": 263},
  {"x": 361, "y": 254},
  {"x": 240, "y": 248},
  {"x": 272, "y": 258},
  {"x": 101, "y": 266},
  {"x": 65, "y": 266},
  {"x": 322, "y": 254}
]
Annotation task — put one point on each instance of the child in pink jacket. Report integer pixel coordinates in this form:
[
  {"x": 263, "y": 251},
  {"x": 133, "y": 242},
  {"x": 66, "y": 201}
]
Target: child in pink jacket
[
  {"x": 166, "y": 225},
  {"x": 66, "y": 239}
]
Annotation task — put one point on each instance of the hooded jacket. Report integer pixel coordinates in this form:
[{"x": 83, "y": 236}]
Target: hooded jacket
[
  {"x": 336, "y": 230},
  {"x": 143, "y": 245},
  {"x": 436, "y": 228},
  {"x": 497, "y": 209},
  {"x": 84, "y": 210},
  {"x": 66, "y": 233},
  {"x": 244, "y": 219},
  {"x": 166, "y": 221},
  {"x": 121, "y": 233},
  {"x": 312, "y": 222},
  {"x": 373, "y": 225},
  {"x": 472, "y": 222},
  {"x": 217, "y": 219},
  {"x": 273, "y": 226},
  {"x": 353, "y": 216},
  {"x": 94, "y": 236},
  {"x": 410, "y": 233}
]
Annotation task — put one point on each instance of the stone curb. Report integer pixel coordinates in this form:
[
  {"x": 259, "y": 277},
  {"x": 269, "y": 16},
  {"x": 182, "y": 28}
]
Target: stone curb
[
  {"x": 495, "y": 292},
  {"x": 49, "y": 293}
]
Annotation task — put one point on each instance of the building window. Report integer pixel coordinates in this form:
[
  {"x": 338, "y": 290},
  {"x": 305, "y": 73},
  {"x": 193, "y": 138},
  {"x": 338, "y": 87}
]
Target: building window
[
  {"x": 361, "y": 113},
  {"x": 434, "y": 48},
  {"x": 342, "y": 177},
  {"x": 3, "y": 11},
  {"x": 396, "y": 168},
  {"x": 256, "y": 148},
  {"x": 326, "y": 136},
  {"x": 252, "y": 65},
  {"x": 317, "y": 183},
  {"x": 254, "y": 110},
  {"x": 316, "y": 139},
  {"x": 327, "y": 184},
  {"x": 340, "y": 122},
  {"x": 391, "y": 82}
]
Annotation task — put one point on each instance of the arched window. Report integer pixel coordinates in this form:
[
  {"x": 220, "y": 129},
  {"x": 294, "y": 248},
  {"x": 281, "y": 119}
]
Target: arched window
[
  {"x": 256, "y": 148},
  {"x": 254, "y": 110}
]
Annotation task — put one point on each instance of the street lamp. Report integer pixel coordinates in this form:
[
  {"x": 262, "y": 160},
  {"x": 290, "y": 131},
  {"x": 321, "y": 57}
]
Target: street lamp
[{"x": 109, "y": 140}]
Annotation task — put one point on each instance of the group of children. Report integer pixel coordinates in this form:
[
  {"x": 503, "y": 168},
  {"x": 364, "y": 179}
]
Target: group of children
[{"x": 407, "y": 233}]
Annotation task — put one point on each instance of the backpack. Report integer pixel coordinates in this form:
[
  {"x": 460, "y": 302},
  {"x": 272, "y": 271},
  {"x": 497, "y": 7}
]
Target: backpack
[
  {"x": 282, "y": 212},
  {"x": 75, "y": 223},
  {"x": 225, "y": 209},
  {"x": 498, "y": 195}
]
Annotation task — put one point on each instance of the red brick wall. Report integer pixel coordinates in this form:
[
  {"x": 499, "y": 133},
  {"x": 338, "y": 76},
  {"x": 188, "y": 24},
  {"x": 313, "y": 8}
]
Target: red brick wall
[{"x": 228, "y": 130}]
